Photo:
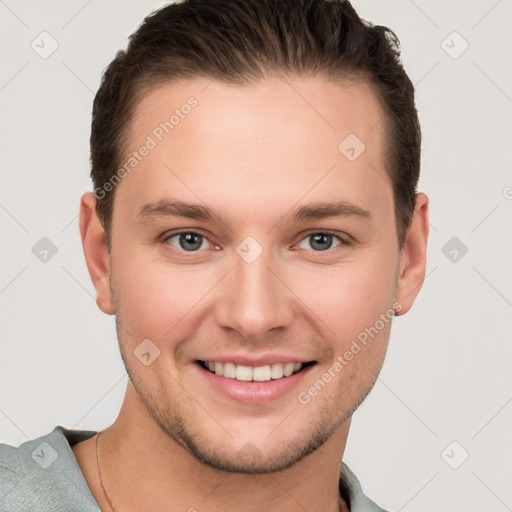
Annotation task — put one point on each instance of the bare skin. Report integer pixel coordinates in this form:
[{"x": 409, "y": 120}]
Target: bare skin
[{"x": 254, "y": 154}]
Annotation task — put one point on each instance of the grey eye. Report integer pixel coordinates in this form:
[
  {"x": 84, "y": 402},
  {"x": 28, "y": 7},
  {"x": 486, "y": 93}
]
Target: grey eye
[
  {"x": 320, "y": 241},
  {"x": 189, "y": 241}
]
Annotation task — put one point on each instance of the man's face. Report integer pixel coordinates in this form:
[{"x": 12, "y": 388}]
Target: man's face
[{"x": 257, "y": 287}]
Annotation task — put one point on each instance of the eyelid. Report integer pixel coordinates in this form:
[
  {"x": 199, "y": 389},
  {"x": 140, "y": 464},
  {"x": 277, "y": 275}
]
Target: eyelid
[
  {"x": 342, "y": 237},
  {"x": 170, "y": 234}
]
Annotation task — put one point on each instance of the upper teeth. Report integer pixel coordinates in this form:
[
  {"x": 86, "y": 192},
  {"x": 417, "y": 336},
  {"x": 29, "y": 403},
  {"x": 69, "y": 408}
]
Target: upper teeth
[{"x": 258, "y": 373}]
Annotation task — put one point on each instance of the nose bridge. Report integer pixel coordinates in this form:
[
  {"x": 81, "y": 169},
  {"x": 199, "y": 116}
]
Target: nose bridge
[{"x": 253, "y": 300}]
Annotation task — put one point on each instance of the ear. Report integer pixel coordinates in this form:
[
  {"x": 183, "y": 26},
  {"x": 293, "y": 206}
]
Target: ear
[
  {"x": 95, "y": 251},
  {"x": 413, "y": 256}
]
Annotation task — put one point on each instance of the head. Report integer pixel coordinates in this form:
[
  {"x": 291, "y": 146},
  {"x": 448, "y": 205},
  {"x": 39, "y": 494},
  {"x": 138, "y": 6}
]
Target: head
[{"x": 263, "y": 117}]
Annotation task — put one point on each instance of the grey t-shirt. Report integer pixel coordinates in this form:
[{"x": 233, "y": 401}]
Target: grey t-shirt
[{"x": 43, "y": 475}]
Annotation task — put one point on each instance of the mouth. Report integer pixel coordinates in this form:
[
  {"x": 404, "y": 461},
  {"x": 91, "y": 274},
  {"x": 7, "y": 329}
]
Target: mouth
[
  {"x": 253, "y": 383},
  {"x": 265, "y": 373}
]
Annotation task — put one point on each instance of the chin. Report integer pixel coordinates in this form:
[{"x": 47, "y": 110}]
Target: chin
[{"x": 261, "y": 455}]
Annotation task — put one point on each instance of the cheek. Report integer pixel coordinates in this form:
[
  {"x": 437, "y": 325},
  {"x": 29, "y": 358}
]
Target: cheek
[
  {"x": 352, "y": 297},
  {"x": 156, "y": 298}
]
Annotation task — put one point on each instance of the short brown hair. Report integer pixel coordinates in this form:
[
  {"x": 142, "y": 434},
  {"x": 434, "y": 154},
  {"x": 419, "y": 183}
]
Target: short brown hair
[{"x": 241, "y": 42}]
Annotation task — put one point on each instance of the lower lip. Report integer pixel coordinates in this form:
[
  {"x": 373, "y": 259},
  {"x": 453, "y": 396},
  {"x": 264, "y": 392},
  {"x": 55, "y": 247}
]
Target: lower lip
[{"x": 254, "y": 392}]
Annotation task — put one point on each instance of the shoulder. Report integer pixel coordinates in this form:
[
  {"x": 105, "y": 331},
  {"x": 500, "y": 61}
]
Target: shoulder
[
  {"x": 351, "y": 490},
  {"x": 43, "y": 474}
]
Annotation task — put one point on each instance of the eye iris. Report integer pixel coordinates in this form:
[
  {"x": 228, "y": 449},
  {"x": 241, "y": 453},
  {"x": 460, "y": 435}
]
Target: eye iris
[
  {"x": 324, "y": 241},
  {"x": 190, "y": 239}
]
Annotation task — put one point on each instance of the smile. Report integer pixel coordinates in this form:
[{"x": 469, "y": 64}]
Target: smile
[{"x": 244, "y": 373}]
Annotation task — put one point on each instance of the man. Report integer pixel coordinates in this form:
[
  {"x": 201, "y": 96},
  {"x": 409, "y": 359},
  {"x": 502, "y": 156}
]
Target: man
[{"x": 254, "y": 228}]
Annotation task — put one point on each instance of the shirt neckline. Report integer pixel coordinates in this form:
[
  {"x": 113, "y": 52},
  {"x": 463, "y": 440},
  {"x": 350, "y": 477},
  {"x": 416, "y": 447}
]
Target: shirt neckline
[{"x": 348, "y": 485}]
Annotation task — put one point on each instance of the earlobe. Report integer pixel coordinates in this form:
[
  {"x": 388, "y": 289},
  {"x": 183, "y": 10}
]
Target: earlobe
[
  {"x": 95, "y": 251},
  {"x": 413, "y": 256}
]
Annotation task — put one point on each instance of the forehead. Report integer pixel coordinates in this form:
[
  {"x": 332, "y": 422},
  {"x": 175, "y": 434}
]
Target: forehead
[
  {"x": 278, "y": 140},
  {"x": 309, "y": 109}
]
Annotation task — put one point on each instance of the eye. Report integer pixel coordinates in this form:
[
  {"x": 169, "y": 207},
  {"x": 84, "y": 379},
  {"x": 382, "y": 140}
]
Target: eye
[
  {"x": 192, "y": 241},
  {"x": 321, "y": 241},
  {"x": 188, "y": 241}
]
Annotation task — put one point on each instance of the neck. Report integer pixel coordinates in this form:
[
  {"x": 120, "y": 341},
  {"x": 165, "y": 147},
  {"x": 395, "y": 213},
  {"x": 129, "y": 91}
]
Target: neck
[{"x": 143, "y": 469}]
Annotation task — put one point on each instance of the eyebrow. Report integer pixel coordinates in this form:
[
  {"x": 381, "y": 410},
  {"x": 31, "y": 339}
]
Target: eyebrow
[
  {"x": 310, "y": 212},
  {"x": 168, "y": 208},
  {"x": 324, "y": 210}
]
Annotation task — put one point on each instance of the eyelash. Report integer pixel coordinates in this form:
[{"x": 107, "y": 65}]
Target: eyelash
[{"x": 344, "y": 241}]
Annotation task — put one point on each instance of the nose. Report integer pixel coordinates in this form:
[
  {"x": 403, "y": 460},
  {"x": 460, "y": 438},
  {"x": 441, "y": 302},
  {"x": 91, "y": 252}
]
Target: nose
[{"x": 254, "y": 298}]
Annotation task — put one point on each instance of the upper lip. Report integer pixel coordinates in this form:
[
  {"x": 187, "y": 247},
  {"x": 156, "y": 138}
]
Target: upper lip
[{"x": 255, "y": 361}]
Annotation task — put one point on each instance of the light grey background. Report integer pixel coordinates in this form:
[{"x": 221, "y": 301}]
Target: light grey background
[{"x": 447, "y": 373}]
